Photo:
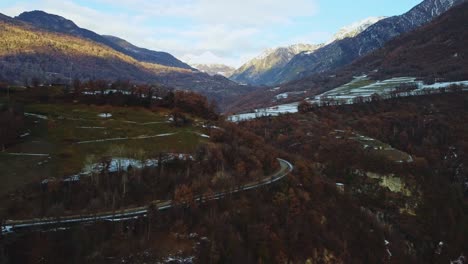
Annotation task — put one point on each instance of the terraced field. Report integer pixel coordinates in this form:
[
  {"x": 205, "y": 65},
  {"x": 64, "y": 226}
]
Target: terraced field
[
  {"x": 60, "y": 140},
  {"x": 378, "y": 147}
]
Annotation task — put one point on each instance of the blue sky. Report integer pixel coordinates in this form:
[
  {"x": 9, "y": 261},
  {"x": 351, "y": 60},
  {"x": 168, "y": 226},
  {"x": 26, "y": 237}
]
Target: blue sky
[{"x": 214, "y": 31}]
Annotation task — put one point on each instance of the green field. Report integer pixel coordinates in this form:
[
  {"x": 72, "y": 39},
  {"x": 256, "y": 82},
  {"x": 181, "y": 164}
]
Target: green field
[
  {"x": 74, "y": 135},
  {"x": 378, "y": 147}
]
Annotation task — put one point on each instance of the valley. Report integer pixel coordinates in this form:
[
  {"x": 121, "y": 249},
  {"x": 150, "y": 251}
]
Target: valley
[{"x": 185, "y": 132}]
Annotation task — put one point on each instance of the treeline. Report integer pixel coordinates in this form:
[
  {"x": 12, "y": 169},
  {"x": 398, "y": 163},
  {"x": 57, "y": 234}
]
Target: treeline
[{"x": 120, "y": 93}]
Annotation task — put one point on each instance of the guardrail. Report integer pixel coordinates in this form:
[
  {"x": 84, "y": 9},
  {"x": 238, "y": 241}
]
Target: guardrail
[{"x": 10, "y": 226}]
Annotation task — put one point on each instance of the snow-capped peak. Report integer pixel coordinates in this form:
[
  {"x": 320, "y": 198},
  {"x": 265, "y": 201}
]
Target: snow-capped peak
[{"x": 355, "y": 28}]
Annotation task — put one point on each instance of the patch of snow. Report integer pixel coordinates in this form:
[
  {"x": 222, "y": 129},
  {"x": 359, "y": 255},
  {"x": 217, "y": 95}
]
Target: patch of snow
[
  {"x": 355, "y": 28},
  {"x": 6, "y": 229},
  {"x": 25, "y": 135},
  {"x": 121, "y": 164},
  {"x": 73, "y": 178},
  {"x": 282, "y": 96},
  {"x": 43, "y": 117},
  {"x": 105, "y": 115},
  {"x": 179, "y": 260},
  {"x": 204, "y": 135}
]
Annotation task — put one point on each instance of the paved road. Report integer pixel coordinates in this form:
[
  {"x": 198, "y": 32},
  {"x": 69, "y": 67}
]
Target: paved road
[{"x": 126, "y": 214}]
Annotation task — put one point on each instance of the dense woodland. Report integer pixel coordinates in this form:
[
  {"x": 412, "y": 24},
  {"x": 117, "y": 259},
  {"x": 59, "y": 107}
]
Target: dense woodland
[
  {"x": 431, "y": 128},
  {"x": 305, "y": 218}
]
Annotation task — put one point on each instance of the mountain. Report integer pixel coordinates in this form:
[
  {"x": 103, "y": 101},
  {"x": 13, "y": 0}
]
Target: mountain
[
  {"x": 345, "y": 51},
  {"x": 265, "y": 69},
  {"x": 262, "y": 69},
  {"x": 29, "y": 52},
  {"x": 355, "y": 29},
  {"x": 215, "y": 69},
  {"x": 62, "y": 25},
  {"x": 436, "y": 51}
]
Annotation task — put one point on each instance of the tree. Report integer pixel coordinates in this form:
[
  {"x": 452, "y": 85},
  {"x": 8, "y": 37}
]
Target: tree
[{"x": 11, "y": 123}]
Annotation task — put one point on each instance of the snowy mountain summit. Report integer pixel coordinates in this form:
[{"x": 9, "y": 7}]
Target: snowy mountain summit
[{"x": 355, "y": 28}]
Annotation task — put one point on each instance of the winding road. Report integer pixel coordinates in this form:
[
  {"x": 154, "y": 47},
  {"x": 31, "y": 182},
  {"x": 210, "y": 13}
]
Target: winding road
[{"x": 126, "y": 214}]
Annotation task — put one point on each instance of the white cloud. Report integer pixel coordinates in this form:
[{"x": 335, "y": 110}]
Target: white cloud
[{"x": 213, "y": 30}]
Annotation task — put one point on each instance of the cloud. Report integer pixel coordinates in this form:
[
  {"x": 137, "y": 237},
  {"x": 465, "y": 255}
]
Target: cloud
[
  {"x": 240, "y": 12},
  {"x": 225, "y": 31}
]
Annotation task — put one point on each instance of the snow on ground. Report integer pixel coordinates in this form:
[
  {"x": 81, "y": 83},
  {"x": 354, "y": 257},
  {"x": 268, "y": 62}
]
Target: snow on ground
[
  {"x": 179, "y": 260},
  {"x": 352, "y": 89},
  {"x": 214, "y": 127},
  {"x": 286, "y": 95},
  {"x": 43, "y": 117},
  {"x": 269, "y": 111},
  {"x": 105, "y": 115},
  {"x": 123, "y": 164},
  {"x": 25, "y": 135},
  {"x": 6, "y": 229},
  {"x": 360, "y": 86},
  {"x": 275, "y": 89},
  {"x": 203, "y": 135}
]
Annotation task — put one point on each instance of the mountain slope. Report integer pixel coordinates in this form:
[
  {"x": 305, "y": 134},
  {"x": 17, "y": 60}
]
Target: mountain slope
[
  {"x": 262, "y": 69},
  {"x": 62, "y": 25},
  {"x": 28, "y": 52},
  {"x": 436, "y": 51},
  {"x": 147, "y": 55},
  {"x": 215, "y": 69},
  {"x": 355, "y": 29},
  {"x": 342, "y": 52}
]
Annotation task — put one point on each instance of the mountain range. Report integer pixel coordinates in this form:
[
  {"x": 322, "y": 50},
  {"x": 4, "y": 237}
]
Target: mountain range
[
  {"x": 435, "y": 51},
  {"x": 262, "y": 69},
  {"x": 215, "y": 69},
  {"x": 59, "y": 24},
  {"x": 354, "y": 29},
  {"x": 345, "y": 51},
  {"x": 45, "y": 46},
  {"x": 266, "y": 68}
]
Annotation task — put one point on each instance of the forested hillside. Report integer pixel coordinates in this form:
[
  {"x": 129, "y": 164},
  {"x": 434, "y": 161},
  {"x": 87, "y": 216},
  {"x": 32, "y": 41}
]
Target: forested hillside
[{"x": 28, "y": 53}]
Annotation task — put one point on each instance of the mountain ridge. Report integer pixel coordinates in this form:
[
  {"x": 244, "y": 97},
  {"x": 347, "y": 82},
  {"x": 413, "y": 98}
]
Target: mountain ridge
[
  {"x": 215, "y": 69},
  {"x": 60, "y": 24},
  {"x": 30, "y": 53},
  {"x": 343, "y": 52},
  {"x": 434, "y": 52},
  {"x": 263, "y": 67}
]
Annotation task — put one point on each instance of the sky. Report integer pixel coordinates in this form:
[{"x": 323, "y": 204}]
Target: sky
[{"x": 214, "y": 31}]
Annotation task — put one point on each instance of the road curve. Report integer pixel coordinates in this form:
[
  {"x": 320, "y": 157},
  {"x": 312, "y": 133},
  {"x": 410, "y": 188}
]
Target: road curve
[{"x": 126, "y": 214}]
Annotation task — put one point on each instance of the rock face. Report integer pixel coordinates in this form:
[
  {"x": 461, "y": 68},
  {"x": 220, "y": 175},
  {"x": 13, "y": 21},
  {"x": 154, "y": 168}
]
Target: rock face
[
  {"x": 59, "y": 24},
  {"x": 263, "y": 69},
  {"x": 345, "y": 51},
  {"x": 215, "y": 69}
]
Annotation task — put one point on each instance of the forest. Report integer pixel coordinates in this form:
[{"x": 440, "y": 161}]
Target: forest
[{"x": 366, "y": 187}]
